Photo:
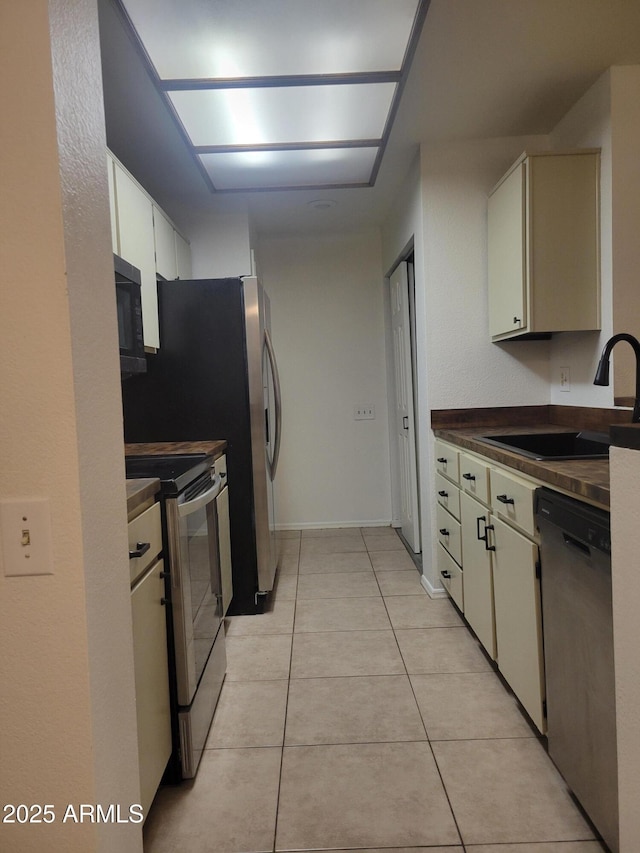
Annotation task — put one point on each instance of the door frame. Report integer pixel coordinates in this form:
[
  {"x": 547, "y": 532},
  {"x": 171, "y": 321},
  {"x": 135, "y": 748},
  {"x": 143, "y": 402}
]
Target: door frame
[{"x": 407, "y": 256}]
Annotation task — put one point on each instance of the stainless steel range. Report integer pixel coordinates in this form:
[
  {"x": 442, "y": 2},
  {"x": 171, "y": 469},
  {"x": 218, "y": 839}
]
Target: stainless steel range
[{"x": 194, "y": 592}]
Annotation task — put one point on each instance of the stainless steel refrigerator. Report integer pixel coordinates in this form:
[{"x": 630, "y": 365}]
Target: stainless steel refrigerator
[{"x": 215, "y": 377}]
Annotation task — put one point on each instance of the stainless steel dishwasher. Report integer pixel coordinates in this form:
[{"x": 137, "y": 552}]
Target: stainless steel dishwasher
[{"x": 575, "y": 557}]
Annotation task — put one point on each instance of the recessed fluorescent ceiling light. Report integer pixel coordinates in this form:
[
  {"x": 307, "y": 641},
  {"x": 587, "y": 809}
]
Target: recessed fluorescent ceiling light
[{"x": 313, "y": 84}]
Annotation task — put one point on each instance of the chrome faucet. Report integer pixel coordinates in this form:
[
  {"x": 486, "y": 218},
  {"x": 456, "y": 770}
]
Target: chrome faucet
[{"x": 602, "y": 373}]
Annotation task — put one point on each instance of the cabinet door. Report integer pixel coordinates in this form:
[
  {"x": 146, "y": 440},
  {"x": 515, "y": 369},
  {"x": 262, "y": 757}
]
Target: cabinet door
[
  {"x": 165, "y": 244},
  {"x": 518, "y": 617},
  {"x": 152, "y": 681},
  {"x": 478, "y": 573},
  {"x": 183, "y": 257},
  {"x": 135, "y": 231},
  {"x": 506, "y": 255},
  {"x": 112, "y": 205}
]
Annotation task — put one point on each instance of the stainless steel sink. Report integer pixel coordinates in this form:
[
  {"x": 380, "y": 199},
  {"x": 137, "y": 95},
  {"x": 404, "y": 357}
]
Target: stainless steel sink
[{"x": 553, "y": 445}]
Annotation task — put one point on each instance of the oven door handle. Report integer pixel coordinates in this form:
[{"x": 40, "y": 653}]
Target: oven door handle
[{"x": 211, "y": 494}]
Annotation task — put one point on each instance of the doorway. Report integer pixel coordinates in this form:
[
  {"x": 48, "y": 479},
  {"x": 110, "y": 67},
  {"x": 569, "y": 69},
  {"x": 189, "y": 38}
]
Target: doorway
[{"x": 406, "y": 509}]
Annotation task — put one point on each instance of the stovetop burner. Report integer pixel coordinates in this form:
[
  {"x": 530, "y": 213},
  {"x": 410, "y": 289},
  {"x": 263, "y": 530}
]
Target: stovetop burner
[{"x": 175, "y": 471}]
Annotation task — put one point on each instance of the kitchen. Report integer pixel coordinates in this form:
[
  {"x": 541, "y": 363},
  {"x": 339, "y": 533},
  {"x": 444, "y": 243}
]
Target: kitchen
[{"x": 79, "y": 451}]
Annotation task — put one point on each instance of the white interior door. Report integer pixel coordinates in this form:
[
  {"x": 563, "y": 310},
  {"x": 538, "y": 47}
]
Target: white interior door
[{"x": 404, "y": 427}]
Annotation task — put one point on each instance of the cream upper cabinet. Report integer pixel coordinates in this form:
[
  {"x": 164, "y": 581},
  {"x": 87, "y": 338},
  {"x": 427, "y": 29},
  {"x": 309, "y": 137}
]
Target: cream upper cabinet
[
  {"x": 112, "y": 205},
  {"x": 183, "y": 257},
  {"x": 137, "y": 246},
  {"x": 143, "y": 235},
  {"x": 544, "y": 246},
  {"x": 165, "y": 244}
]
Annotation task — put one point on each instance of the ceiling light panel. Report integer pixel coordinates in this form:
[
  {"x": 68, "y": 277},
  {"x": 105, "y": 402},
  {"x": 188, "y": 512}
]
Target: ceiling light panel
[
  {"x": 276, "y": 169},
  {"x": 206, "y": 39},
  {"x": 293, "y": 114}
]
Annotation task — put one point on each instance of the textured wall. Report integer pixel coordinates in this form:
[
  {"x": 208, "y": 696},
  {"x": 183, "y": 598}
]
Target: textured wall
[
  {"x": 67, "y": 719},
  {"x": 328, "y": 331},
  {"x": 625, "y": 511}
]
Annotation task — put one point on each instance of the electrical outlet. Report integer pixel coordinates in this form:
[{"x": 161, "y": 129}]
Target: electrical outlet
[
  {"x": 364, "y": 413},
  {"x": 565, "y": 379}
]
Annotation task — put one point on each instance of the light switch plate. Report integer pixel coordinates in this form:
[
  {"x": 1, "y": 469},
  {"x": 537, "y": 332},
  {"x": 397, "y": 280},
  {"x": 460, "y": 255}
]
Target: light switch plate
[{"x": 25, "y": 532}]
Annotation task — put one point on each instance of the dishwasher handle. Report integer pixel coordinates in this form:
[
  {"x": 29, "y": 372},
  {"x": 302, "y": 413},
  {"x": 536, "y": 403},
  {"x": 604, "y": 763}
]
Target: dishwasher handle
[{"x": 576, "y": 544}]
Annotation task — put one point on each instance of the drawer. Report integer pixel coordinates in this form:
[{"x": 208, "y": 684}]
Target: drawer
[
  {"x": 449, "y": 533},
  {"x": 220, "y": 466},
  {"x": 448, "y": 495},
  {"x": 512, "y": 500},
  {"x": 450, "y": 575},
  {"x": 447, "y": 461},
  {"x": 145, "y": 529},
  {"x": 474, "y": 477}
]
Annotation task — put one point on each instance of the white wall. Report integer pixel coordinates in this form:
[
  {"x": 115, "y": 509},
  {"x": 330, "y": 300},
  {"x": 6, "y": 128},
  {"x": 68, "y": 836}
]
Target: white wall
[
  {"x": 328, "y": 331},
  {"x": 67, "y": 710},
  {"x": 588, "y": 125},
  {"x": 608, "y": 117}
]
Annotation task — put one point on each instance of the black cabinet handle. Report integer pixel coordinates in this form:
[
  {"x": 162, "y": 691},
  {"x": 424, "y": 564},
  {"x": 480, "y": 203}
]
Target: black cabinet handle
[
  {"x": 141, "y": 548},
  {"x": 504, "y": 499},
  {"x": 488, "y": 547},
  {"x": 468, "y": 476},
  {"x": 478, "y": 520},
  {"x": 443, "y": 494},
  {"x": 444, "y": 531},
  {"x": 405, "y": 422},
  {"x": 517, "y": 320},
  {"x": 446, "y": 574},
  {"x": 164, "y": 601},
  {"x": 442, "y": 459}
]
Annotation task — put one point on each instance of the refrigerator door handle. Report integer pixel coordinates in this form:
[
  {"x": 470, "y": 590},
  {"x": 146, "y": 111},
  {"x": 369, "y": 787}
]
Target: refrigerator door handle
[{"x": 273, "y": 462}]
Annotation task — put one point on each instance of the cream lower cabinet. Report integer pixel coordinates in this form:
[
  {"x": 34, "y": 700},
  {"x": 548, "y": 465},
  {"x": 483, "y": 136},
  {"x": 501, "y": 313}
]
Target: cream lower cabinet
[
  {"x": 491, "y": 550},
  {"x": 478, "y": 572},
  {"x": 150, "y": 656},
  {"x": 449, "y": 553},
  {"x": 518, "y": 617}
]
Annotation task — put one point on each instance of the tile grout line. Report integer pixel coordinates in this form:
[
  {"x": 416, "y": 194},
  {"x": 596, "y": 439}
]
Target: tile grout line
[{"x": 286, "y": 706}]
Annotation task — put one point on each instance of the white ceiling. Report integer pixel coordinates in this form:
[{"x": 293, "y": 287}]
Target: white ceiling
[{"x": 483, "y": 68}]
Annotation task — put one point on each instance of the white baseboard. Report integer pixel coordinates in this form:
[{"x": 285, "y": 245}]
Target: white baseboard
[
  {"x": 433, "y": 591},
  {"x": 333, "y": 525}
]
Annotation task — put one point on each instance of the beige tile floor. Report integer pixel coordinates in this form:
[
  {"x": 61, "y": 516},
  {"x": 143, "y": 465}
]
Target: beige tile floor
[{"x": 359, "y": 714}]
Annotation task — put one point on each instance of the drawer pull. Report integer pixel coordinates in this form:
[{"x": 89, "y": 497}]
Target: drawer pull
[
  {"x": 468, "y": 476},
  {"x": 164, "y": 601},
  {"x": 141, "y": 548},
  {"x": 504, "y": 499},
  {"x": 446, "y": 575},
  {"x": 443, "y": 494},
  {"x": 442, "y": 460},
  {"x": 444, "y": 531},
  {"x": 488, "y": 547}
]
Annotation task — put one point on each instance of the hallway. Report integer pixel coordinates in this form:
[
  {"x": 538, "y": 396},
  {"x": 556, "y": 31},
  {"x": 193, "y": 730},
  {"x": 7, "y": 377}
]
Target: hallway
[{"x": 358, "y": 713}]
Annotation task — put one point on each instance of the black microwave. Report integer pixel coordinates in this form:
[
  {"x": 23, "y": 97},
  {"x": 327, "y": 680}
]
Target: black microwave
[{"x": 128, "y": 287}]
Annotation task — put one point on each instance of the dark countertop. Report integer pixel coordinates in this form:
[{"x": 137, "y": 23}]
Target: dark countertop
[
  {"x": 626, "y": 435},
  {"x": 585, "y": 478},
  {"x": 140, "y": 491},
  {"x": 153, "y": 448}
]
